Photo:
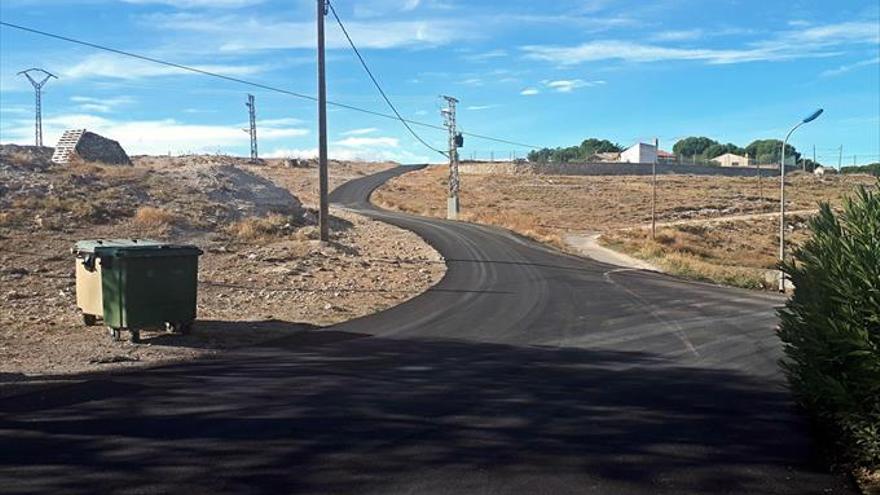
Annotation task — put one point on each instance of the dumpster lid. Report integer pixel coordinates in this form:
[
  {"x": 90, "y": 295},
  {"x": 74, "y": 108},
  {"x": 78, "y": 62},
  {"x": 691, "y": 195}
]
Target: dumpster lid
[{"x": 133, "y": 247}]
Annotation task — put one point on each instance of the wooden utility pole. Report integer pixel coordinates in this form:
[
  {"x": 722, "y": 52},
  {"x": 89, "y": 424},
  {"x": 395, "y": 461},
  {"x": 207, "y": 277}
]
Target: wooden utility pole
[{"x": 323, "y": 211}]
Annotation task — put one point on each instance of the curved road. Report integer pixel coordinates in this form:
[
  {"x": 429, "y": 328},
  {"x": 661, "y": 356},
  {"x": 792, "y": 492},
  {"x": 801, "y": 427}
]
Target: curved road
[{"x": 523, "y": 371}]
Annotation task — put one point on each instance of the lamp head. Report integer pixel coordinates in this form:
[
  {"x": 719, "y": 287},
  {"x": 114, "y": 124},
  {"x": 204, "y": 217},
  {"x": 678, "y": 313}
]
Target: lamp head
[{"x": 813, "y": 116}]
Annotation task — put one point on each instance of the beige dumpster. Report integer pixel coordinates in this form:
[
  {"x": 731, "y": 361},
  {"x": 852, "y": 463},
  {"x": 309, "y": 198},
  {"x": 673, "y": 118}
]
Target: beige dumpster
[{"x": 89, "y": 292}]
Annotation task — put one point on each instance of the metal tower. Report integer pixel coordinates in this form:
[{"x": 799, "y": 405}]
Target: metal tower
[
  {"x": 38, "y": 92},
  {"x": 448, "y": 113},
  {"x": 252, "y": 111}
]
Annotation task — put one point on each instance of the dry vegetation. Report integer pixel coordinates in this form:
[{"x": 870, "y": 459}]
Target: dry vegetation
[
  {"x": 741, "y": 253},
  {"x": 263, "y": 274},
  {"x": 548, "y": 207}
]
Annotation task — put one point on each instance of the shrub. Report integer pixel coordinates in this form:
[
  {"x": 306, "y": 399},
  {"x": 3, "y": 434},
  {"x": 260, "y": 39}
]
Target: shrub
[
  {"x": 873, "y": 169},
  {"x": 261, "y": 228},
  {"x": 831, "y": 326},
  {"x": 153, "y": 218}
]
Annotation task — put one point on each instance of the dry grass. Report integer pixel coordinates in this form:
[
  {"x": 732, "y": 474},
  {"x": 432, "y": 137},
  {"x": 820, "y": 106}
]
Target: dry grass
[
  {"x": 598, "y": 204},
  {"x": 260, "y": 228},
  {"x": 155, "y": 219},
  {"x": 523, "y": 223},
  {"x": 738, "y": 252},
  {"x": 17, "y": 159},
  {"x": 548, "y": 207}
]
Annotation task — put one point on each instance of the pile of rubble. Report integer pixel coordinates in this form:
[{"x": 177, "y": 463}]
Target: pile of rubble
[
  {"x": 89, "y": 147},
  {"x": 243, "y": 193}
]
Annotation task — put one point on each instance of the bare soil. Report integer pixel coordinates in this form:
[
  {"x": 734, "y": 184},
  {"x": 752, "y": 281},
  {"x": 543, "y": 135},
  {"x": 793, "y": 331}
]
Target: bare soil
[{"x": 263, "y": 274}]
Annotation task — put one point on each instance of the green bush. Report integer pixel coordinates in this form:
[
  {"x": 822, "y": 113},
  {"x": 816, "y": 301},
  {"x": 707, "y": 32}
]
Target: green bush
[
  {"x": 831, "y": 326},
  {"x": 873, "y": 169}
]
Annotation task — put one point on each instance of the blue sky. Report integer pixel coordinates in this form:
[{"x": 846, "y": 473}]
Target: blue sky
[{"x": 548, "y": 73}]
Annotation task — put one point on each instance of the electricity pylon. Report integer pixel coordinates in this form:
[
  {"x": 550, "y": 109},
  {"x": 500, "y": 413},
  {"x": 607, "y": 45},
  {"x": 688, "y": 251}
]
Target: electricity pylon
[{"x": 38, "y": 93}]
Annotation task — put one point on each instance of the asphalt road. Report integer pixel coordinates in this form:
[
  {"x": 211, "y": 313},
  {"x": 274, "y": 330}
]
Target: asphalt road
[{"x": 523, "y": 371}]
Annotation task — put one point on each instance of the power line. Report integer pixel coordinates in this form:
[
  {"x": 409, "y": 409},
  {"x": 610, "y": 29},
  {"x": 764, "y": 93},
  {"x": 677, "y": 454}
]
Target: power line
[
  {"x": 249, "y": 83},
  {"x": 376, "y": 83}
]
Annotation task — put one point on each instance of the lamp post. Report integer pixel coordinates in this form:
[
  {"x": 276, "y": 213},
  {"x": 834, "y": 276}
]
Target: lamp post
[{"x": 813, "y": 116}]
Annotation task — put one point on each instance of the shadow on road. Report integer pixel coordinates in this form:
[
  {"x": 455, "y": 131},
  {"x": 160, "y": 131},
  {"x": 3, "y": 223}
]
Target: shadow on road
[{"x": 335, "y": 412}]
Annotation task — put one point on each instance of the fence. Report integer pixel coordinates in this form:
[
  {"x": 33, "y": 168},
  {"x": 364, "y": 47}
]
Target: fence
[{"x": 617, "y": 169}]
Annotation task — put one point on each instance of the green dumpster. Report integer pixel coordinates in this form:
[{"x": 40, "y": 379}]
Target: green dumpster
[{"x": 134, "y": 284}]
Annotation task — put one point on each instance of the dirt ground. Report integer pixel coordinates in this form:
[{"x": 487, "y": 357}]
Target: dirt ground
[
  {"x": 263, "y": 274},
  {"x": 548, "y": 207}
]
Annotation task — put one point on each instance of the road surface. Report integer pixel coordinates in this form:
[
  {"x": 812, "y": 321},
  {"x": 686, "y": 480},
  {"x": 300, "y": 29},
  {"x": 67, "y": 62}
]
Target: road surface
[{"x": 522, "y": 371}]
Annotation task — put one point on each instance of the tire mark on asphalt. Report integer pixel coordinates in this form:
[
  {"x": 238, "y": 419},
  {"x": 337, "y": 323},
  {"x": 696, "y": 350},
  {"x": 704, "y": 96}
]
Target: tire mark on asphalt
[{"x": 677, "y": 330}]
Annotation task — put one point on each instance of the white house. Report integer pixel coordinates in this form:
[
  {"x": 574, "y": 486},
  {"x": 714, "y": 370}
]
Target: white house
[
  {"x": 731, "y": 160},
  {"x": 639, "y": 153}
]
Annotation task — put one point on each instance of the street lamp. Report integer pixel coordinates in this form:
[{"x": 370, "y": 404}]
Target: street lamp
[{"x": 813, "y": 116}]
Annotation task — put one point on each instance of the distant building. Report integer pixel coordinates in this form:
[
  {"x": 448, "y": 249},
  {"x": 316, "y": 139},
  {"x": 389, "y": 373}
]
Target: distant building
[
  {"x": 639, "y": 153},
  {"x": 731, "y": 160},
  {"x": 821, "y": 171},
  {"x": 665, "y": 156}
]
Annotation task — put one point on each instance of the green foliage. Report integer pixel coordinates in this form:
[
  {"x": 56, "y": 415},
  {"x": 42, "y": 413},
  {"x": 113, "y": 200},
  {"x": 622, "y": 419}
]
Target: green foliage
[
  {"x": 769, "y": 151},
  {"x": 831, "y": 326},
  {"x": 693, "y": 146},
  {"x": 584, "y": 152},
  {"x": 720, "y": 149},
  {"x": 873, "y": 169}
]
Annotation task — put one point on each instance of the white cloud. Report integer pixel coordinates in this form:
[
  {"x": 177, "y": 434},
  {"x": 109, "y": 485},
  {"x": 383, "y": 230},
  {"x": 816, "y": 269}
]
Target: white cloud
[
  {"x": 278, "y": 122},
  {"x": 149, "y": 136},
  {"x": 188, "y": 4},
  {"x": 360, "y": 132},
  {"x": 100, "y": 105},
  {"x": 119, "y": 67},
  {"x": 472, "y": 81},
  {"x": 355, "y": 142},
  {"x": 489, "y": 55},
  {"x": 235, "y": 33},
  {"x": 375, "y": 8},
  {"x": 813, "y": 42},
  {"x": 480, "y": 107},
  {"x": 566, "y": 85},
  {"x": 348, "y": 154},
  {"x": 678, "y": 35},
  {"x": 849, "y": 67},
  {"x": 529, "y": 92}
]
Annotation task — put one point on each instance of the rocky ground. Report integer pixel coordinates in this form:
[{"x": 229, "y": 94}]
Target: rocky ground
[{"x": 263, "y": 274}]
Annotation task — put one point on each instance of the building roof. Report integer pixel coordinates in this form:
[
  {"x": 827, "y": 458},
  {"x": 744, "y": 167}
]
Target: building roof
[{"x": 731, "y": 155}]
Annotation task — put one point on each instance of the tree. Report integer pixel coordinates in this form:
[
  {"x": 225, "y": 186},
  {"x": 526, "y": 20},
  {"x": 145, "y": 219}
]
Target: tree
[
  {"x": 541, "y": 155},
  {"x": 583, "y": 152},
  {"x": 691, "y": 146},
  {"x": 591, "y": 146},
  {"x": 720, "y": 149},
  {"x": 769, "y": 151},
  {"x": 831, "y": 325}
]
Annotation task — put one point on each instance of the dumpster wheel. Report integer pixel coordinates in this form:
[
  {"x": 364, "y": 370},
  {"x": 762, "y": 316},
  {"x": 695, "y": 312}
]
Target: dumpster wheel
[
  {"x": 115, "y": 334},
  {"x": 179, "y": 327}
]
